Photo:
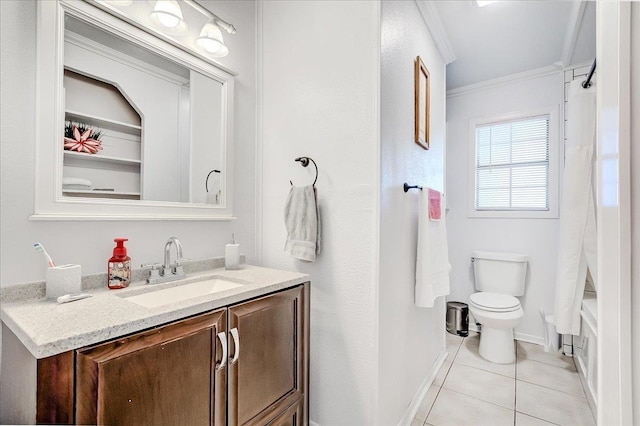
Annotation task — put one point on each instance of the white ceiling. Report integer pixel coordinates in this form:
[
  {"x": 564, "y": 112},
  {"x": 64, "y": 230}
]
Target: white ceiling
[{"x": 509, "y": 37}]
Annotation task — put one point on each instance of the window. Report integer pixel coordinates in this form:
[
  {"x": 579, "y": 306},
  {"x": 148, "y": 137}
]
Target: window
[{"x": 514, "y": 166}]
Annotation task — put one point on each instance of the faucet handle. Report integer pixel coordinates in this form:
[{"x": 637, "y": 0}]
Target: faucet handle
[
  {"x": 154, "y": 270},
  {"x": 178, "y": 269}
]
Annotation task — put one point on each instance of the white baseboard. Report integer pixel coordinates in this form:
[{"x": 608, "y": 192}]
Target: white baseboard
[
  {"x": 531, "y": 338},
  {"x": 412, "y": 409},
  {"x": 312, "y": 423}
]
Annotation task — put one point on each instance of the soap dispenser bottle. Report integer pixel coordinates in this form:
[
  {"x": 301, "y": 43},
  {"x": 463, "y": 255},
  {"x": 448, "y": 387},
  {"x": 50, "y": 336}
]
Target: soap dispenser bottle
[
  {"x": 119, "y": 266},
  {"x": 232, "y": 254}
]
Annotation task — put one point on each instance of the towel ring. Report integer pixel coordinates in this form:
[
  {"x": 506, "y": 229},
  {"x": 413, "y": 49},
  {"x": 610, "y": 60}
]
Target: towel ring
[
  {"x": 206, "y": 181},
  {"x": 305, "y": 162}
]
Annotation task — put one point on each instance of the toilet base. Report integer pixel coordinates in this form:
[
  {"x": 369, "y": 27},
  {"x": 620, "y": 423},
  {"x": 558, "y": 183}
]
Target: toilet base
[{"x": 497, "y": 345}]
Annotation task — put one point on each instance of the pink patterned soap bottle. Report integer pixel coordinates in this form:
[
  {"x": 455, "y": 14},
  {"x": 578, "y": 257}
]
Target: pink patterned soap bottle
[{"x": 119, "y": 266}]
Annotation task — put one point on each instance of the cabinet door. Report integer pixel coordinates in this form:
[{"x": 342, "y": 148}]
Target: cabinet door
[
  {"x": 266, "y": 360},
  {"x": 291, "y": 417},
  {"x": 165, "y": 376}
]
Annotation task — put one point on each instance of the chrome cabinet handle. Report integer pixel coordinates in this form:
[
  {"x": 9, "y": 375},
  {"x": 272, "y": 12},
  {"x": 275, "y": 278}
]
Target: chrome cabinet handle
[
  {"x": 223, "y": 342},
  {"x": 236, "y": 343}
]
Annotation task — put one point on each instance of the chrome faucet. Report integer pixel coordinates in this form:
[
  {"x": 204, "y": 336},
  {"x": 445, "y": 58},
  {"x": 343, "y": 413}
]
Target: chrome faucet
[
  {"x": 167, "y": 272},
  {"x": 166, "y": 266}
]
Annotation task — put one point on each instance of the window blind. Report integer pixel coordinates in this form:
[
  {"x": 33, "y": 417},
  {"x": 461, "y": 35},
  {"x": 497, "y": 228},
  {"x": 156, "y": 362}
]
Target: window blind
[{"x": 512, "y": 165}]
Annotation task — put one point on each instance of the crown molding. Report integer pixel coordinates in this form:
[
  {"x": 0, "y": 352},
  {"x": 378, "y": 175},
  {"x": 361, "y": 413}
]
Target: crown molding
[
  {"x": 434, "y": 24},
  {"x": 507, "y": 79}
]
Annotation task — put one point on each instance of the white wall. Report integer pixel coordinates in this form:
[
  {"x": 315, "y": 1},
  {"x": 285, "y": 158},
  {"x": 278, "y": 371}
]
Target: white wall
[
  {"x": 534, "y": 237},
  {"x": 635, "y": 205},
  {"x": 90, "y": 243},
  {"x": 410, "y": 338},
  {"x": 319, "y": 87}
]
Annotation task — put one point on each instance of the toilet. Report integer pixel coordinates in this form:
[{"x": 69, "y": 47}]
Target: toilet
[{"x": 499, "y": 278}]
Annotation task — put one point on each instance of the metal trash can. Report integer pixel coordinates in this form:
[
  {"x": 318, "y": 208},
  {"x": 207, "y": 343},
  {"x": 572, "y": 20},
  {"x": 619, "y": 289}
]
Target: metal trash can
[{"x": 458, "y": 318}]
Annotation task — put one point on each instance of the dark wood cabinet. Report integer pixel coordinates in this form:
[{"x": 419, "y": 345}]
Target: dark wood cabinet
[
  {"x": 292, "y": 416},
  {"x": 165, "y": 376},
  {"x": 246, "y": 364},
  {"x": 266, "y": 371}
]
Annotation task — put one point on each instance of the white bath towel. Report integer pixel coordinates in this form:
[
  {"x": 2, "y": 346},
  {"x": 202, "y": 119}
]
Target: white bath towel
[
  {"x": 302, "y": 220},
  {"x": 432, "y": 262}
]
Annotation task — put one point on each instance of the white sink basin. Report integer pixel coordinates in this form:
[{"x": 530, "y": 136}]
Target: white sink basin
[{"x": 179, "y": 293}]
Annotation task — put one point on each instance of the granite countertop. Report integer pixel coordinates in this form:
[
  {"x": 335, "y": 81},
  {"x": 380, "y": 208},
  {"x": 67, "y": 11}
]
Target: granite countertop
[{"x": 47, "y": 328}]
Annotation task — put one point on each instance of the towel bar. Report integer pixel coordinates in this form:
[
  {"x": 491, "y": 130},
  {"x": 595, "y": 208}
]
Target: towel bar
[{"x": 407, "y": 187}]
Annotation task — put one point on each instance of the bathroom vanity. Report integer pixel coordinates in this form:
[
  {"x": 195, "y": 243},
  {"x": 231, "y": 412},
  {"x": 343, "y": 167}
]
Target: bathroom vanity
[{"x": 237, "y": 356}]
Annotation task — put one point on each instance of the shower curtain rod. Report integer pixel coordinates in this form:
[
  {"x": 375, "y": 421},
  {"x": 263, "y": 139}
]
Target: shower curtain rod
[{"x": 587, "y": 83}]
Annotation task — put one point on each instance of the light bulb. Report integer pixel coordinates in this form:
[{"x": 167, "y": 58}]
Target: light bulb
[
  {"x": 211, "y": 46},
  {"x": 167, "y": 20},
  {"x": 211, "y": 40},
  {"x": 168, "y": 14}
]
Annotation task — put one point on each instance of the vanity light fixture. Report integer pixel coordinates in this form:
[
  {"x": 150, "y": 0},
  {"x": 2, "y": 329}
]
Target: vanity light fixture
[
  {"x": 168, "y": 14},
  {"x": 211, "y": 40},
  {"x": 221, "y": 23}
]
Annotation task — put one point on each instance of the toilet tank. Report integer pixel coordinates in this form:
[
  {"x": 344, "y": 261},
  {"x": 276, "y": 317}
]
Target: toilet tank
[{"x": 503, "y": 273}]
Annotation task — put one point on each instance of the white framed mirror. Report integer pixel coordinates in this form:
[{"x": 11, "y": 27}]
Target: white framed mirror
[{"x": 130, "y": 126}]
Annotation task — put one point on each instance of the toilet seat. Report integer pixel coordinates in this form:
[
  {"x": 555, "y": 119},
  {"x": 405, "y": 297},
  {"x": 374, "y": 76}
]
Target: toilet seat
[{"x": 494, "y": 302}]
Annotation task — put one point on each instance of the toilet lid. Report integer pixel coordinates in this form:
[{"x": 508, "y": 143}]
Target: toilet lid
[{"x": 495, "y": 301}]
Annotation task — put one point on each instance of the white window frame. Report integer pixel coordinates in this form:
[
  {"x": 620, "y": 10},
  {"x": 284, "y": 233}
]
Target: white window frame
[{"x": 555, "y": 151}]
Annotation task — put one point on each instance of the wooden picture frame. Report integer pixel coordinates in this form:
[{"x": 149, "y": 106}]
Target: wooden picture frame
[{"x": 421, "y": 100}]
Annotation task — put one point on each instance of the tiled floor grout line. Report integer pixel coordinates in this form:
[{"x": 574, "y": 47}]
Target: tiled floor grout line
[
  {"x": 553, "y": 389},
  {"x": 477, "y": 399},
  {"x": 454, "y": 355},
  {"x": 453, "y": 360},
  {"x": 433, "y": 404},
  {"x": 550, "y": 364},
  {"x": 486, "y": 371},
  {"x": 539, "y": 418}
]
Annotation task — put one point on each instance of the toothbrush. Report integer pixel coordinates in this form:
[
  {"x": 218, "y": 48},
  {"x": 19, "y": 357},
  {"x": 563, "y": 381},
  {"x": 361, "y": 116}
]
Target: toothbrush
[
  {"x": 39, "y": 247},
  {"x": 72, "y": 297}
]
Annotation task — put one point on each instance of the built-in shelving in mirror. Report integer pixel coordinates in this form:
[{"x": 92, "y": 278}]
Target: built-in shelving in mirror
[
  {"x": 112, "y": 169},
  {"x": 131, "y": 126}
]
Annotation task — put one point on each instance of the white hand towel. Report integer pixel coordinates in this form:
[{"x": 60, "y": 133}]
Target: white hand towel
[
  {"x": 432, "y": 262},
  {"x": 76, "y": 181},
  {"x": 302, "y": 220}
]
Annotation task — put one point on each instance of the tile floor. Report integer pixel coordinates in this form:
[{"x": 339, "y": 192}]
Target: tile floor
[{"x": 538, "y": 389}]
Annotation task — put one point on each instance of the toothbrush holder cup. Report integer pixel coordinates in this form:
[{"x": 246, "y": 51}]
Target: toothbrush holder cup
[{"x": 64, "y": 279}]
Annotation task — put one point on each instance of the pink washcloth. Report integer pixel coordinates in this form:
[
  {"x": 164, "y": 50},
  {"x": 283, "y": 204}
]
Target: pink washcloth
[{"x": 435, "y": 211}]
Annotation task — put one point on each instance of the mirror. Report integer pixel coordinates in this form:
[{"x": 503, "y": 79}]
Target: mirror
[{"x": 142, "y": 126}]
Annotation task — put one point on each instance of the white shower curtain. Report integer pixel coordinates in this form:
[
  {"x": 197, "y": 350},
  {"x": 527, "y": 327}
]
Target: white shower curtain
[{"x": 577, "y": 239}]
